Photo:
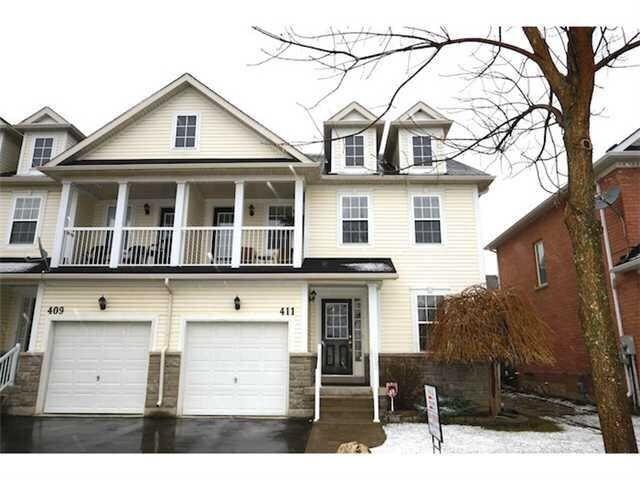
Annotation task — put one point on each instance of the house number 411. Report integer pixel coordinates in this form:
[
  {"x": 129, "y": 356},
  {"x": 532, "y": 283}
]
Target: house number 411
[{"x": 287, "y": 311}]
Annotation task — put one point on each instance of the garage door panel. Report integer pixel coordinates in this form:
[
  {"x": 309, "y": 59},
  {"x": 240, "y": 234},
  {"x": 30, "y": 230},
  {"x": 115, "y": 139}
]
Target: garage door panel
[
  {"x": 98, "y": 367},
  {"x": 235, "y": 369}
]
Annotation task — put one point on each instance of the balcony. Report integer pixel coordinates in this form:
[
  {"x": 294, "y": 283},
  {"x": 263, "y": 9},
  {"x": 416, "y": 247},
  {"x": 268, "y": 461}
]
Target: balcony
[{"x": 181, "y": 225}]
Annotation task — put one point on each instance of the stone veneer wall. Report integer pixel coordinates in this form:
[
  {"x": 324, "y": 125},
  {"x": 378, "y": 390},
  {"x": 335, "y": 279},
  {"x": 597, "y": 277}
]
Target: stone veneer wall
[
  {"x": 471, "y": 382},
  {"x": 171, "y": 385},
  {"x": 301, "y": 377},
  {"x": 22, "y": 397}
]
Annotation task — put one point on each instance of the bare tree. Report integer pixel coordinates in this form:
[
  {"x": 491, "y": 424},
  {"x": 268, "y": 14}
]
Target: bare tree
[{"x": 538, "y": 86}]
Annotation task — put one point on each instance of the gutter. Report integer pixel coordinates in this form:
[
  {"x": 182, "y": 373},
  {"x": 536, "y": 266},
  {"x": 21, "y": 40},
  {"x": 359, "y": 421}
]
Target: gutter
[
  {"x": 201, "y": 276},
  {"x": 167, "y": 343},
  {"x": 627, "y": 266}
]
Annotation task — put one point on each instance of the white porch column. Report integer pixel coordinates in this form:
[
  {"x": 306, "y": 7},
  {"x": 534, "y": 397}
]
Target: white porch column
[
  {"x": 119, "y": 223},
  {"x": 66, "y": 201},
  {"x": 374, "y": 367},
  {"x": 179, "y": 221},
  {"x": 298, "y": 223},
  {"x": 238, "y": 211}
]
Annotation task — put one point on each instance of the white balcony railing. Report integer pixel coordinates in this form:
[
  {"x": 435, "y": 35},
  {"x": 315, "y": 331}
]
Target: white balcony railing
[
  {"x": 87, "y": 246},
  {"x": 146, "y": 246},
  {"x": 8, "y": 366},
  {"x": 207, "y": 245},
  {"x": 267, "y": 246}
]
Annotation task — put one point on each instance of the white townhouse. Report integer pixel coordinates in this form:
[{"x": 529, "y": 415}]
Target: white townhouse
[{"x": 186, "y": 260}]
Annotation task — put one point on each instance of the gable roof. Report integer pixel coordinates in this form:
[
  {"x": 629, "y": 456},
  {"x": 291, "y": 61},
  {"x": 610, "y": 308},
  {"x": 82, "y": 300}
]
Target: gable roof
[
  {"x": 366, "y": 116},
  {"x": 149, "y": 103},
  {"x": 48, "y": 119}
]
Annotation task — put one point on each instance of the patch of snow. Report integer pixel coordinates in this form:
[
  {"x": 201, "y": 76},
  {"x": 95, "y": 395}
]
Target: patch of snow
[
  {"x": 368, "y": 267},
  {"x": 16, "y": 267},
  {"x": 587, "y": 409},
  {"x": 415, "y": 439}
]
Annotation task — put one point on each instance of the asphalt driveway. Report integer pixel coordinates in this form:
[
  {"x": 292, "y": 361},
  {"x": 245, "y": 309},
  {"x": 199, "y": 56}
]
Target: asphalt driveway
[{"x": 152, "y": 435}]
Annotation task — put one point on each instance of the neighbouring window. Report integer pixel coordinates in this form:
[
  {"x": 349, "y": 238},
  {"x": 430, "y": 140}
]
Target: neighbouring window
[
  {"x": 42, "y": 150},
  {"x": 426, "y": 219},
  {"x": 426, "y": 305},
  {"x": 355, "y": 219},
  {"x": 422, "y": 155},
  {"x": 354, "y": 151},
  {"x": 25, "y": 220},
  {"x": 541, "y": 268},
  {"x": 186, "y": 131}
]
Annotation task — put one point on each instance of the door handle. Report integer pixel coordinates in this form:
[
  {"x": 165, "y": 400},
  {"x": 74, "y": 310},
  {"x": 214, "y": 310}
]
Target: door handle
[
  {"x": 235, "y": 379},
  {"x": 97, "y": 378}
]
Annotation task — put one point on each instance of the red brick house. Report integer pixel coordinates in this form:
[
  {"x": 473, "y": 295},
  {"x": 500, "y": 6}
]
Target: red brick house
[{"x": 534, "y": 256}]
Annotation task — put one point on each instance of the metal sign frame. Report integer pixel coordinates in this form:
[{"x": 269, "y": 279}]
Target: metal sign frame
[{"x": 433, "y": 413}]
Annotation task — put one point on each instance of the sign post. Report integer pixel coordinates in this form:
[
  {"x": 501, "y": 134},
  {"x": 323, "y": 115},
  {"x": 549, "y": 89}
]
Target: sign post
[
  {"x": 433, "y": 417},
  {"x": 392, "y": 391}
]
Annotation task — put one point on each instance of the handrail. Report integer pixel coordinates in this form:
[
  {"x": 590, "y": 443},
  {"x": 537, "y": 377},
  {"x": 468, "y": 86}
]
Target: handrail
[
  {"x": 267, "y": 227},
  {"x": 318, "y": 383},
  {"x": 8, "y": 367}
]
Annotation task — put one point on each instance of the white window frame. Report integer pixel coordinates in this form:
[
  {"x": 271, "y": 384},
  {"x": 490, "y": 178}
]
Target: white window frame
[
  {"x": 33, "y": 150},
  {"x": 364, "y": 155},
  {"x": 341, "y": 195},
  {"x": 536, "y": 256},
  {"x": 413, "y": 219},
  {"x": 415, "y": 293},
  {"x": 14, "y": 201},
  {"x": 413, "y": 157},
  {"x": 174, "y": 128}
]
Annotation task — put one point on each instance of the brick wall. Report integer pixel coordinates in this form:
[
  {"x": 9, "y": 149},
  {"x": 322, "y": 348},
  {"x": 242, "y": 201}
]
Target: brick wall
[
  {"x": 301, "y": 377},
  {"x": 171, "y": 385},
  {"x": 22, "y": 397}
]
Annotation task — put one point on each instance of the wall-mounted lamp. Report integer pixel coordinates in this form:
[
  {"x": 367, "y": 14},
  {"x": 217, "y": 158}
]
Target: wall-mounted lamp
[
  {"x": 147, "y": 208},
  {"x": 236, "y": 303},
  {"x": 312, "y": 295},
  {"x": 252, "y": 210},
  {"x": 102, "y": 303}
]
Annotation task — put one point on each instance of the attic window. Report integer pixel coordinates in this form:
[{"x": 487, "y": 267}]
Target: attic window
[
  {"x": 354, "y": 151},
  {"x": 186, "y": 128},
  {"x": 422, "y": 155},
  {"x": 42, "y": 149}
]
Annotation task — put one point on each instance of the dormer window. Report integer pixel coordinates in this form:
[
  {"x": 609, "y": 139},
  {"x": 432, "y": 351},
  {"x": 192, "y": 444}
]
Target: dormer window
[
  {"x": 422, "y": 153},
  {"x": 354, "y": 151},
  {"x": 42, "y": 149},
  {"x": 186, "y": 129}
]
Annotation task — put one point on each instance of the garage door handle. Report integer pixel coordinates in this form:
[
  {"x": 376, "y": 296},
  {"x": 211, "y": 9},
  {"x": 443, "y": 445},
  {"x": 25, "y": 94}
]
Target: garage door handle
[
  {"x": 235, "y": 379},
  {"x": 97, "y": 378}
]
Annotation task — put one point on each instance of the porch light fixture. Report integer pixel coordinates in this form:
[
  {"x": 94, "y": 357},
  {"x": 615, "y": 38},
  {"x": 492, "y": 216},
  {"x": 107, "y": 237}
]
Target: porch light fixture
[
  {"x": 312, "y": 295},
  {"x": 147, "y": 209},
  {"x": 236, "y": 302},
  {"x": 252, "y": 210},
  {"x": 102, "y": 303}
]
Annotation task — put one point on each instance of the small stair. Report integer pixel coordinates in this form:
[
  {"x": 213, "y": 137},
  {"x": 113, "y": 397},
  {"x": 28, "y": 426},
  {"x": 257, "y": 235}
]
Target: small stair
[
  {"x": 343, "y": 380},
  {"x": 346, "y": 404}
]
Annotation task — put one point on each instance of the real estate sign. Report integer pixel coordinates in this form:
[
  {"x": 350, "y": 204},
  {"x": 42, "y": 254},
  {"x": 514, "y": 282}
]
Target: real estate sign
[{"x": 433, "y": 412}]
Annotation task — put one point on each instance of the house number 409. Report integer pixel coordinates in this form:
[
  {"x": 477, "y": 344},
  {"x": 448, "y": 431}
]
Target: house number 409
[
  {"x": 56, "y": 310},
  {"x": 287, "y": 311}
]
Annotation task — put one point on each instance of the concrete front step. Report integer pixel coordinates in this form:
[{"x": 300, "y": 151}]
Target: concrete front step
[{"x": 344, "y": 391}]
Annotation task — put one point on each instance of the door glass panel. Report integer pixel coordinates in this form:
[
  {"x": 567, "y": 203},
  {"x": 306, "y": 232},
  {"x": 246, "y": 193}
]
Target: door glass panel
[{"x": 337, "y": 321}]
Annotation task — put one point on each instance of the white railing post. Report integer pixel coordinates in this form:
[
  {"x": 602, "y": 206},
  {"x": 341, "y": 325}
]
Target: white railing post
[
  {"x": 238, "y": 211},
  {"x": 119, "y": 223},
  {"x": 179, "y": 221},
  {"x": 63, "y": 217},
  {"x": 298, "y": 223},
  {"x": 374, "y": 367},
  {"x": 318, "y": 385},
  {"x": 8, "y": 367}
]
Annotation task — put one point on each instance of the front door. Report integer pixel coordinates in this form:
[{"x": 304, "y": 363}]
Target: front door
[
  {"x": 337, "y": 337},
  {"x": 163, "y": 242},
  {"x": 222, "y": 239}
]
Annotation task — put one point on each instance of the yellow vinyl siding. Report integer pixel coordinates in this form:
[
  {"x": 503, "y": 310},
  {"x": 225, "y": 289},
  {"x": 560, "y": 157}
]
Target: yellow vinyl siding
[
  {"x": 453, "y": 265},
  {"x": 220, "y": 134},
  {"x": 46, "y": 226},
  {"x": 192, "y": 299}
]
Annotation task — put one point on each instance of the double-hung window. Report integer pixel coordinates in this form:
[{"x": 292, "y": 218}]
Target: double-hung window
[
  {"x": 186, "y": 129},
  {"x": 422, "y": 153},
  {"x": 426, "y": 219},
  {"x": 42, "y": 150},
  {"x": 280, "y": 216},
  {"x": 24, "y": 223},
  {"x": 355, "y": 219},
  {"x": 426, "y": 308},
  {"x": 354, "y": 151},
  {"x": 541, "y": 269}
]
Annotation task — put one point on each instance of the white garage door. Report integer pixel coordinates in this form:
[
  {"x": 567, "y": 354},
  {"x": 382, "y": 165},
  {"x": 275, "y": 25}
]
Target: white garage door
[
  {"x": 98, "y": 367},
  {"x": 235, "y": 369}
]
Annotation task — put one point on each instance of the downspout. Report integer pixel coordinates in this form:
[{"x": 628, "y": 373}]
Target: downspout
[
  {"x": 612, "y": 281},
  {"x": 166, "y": 346}
]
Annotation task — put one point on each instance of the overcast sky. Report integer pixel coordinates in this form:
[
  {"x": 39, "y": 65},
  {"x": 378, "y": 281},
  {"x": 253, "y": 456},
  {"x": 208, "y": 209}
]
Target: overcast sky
[{"x": 91, "y": 63}]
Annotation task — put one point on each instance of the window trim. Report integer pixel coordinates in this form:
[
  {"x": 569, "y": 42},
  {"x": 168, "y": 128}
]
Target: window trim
[
  {"x": 174, "y": 126},
  {"x": 33, "y": 150},
  {"x": 14, "y": 199},
  {"x": 415, "y": 293},
  {"x": 370, "y": 230},
  {"x": 364, "y": 156},
  {"x": 412, "y": 226},
  {"x": 536, "y": 258},
  {"x": 413, "y": 157}
]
